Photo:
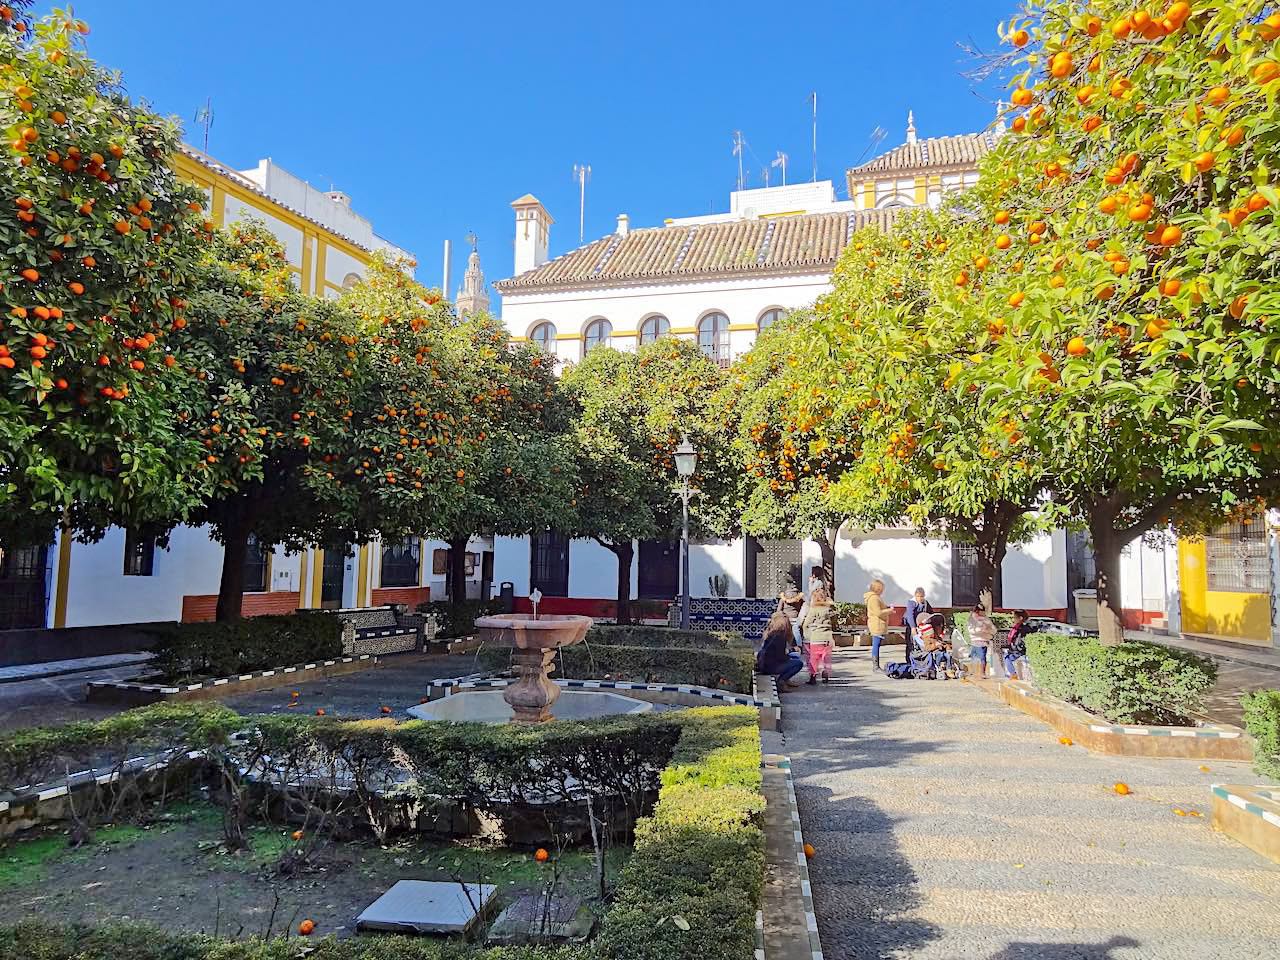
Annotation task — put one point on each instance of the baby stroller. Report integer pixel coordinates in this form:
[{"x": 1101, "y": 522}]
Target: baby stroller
[{"x": 931, "y": 648}]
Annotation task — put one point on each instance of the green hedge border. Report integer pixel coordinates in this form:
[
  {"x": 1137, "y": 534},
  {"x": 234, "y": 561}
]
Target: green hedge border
[{"x": 1262, "y": 720}]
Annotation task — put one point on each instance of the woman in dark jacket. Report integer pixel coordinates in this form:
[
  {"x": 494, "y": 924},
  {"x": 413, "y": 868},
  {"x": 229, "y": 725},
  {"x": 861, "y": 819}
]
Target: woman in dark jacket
[{"x": 775, "y": 657}]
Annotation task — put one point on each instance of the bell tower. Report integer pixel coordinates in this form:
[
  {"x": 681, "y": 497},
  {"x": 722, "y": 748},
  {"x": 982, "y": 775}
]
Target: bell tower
[{"x": 472, "y": 296}]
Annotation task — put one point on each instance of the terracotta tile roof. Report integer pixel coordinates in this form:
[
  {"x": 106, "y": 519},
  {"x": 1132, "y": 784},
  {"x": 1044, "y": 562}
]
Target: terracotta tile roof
[
  {"x": 963, "y": 149},
  {"x": 782, "y": 244}
]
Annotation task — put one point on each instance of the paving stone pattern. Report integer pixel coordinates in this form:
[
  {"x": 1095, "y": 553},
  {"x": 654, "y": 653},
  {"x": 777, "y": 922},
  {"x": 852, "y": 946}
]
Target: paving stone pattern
[{"x": 949, "y": 826}]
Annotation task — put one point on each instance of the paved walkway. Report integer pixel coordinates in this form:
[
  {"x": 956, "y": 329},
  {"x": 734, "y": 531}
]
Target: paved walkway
[{"x": 949, "y": 826}]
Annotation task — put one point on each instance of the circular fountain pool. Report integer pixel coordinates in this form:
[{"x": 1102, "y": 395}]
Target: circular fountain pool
[{"x": 488, "y": 706}]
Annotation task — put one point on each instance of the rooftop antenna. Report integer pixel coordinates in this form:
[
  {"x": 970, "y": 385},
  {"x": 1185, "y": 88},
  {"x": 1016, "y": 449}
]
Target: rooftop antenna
[
  {"x": 764, "y": 175},
  {"x": 873, "y": 141},
  {"x": 204, "y": 118},
  {"x": 813, "y": 97},
  {"x": 781, "y": 161},
  {"x": 737, "y": 152},
  {"x": 582, "y": 173}
]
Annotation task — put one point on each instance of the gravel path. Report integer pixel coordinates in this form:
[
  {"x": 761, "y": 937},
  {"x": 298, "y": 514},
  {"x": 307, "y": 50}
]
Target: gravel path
[{"x": 950, "y": 826}]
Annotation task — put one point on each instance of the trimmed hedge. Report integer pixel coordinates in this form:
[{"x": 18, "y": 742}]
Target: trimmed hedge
[
  {"x": 458, "y": 619},
  {"x": 186, "y": 651},
  {"x": 1262, "y": 720},
  {"x": 690, "y": 889},
  {"x": 730, "y": 669},
  {"x": 1133, "y": 682},
  {"x": 641, "y": 636}
]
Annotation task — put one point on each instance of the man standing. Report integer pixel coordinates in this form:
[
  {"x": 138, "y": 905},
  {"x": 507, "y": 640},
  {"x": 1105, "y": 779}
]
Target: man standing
[{"x": 915, "y": 606}]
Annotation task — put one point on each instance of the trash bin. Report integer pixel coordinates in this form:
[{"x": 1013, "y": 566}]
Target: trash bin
[
  {"x": 1086, "y": 608},
  {"x": 507, "y": 597}
]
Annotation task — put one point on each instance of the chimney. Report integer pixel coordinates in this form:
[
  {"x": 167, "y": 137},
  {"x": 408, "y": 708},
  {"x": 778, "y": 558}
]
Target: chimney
[
  {"x": 624, "y": 224},
  {"x": 340, "y": 198},
  {"x": 533, "y": 233}
]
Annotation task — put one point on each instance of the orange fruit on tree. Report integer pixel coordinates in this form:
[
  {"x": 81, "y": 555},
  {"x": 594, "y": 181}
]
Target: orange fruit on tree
[
  {"x": 122, "y": 227},
  {"x": 1218, "y": 95},
  {"x": 297, "y": 835},
  {"x": 1004, "y": 241},
  {"x": 1205, "y": 161},
  {"x": 1093, "y": 26},
  {"x": 1234, "y": 137},
  {"x": 1022, "y": 97},
  {"x": 1122, "y": 28},
  {"x": 1265, "y": 72},
  {"x": 1257, "y": 202},
  {"x": 1108, "y": 205},
  {"x": 1016, "y": 299},
  {"x": 1140, "y": 212},
  {"x": 1019, "y": 38},
  {"x": 1170, "y": 236},
  {"x": 962, "y": 278},
  {"x": 1076, "y": 347},
  {"x": 31, "y": 275},
  {"x": 1002, "y": 217},
  {"x": 541, "y": 855},
  {"x": 1170, "y": 287},
  {"x": 1269, "y": 29}
]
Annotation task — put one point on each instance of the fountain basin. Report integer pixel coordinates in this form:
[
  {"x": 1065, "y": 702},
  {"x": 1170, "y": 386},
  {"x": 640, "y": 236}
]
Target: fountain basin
[
  {"x": 489, "y": 706},
  {"x": 523, "y": 632}
]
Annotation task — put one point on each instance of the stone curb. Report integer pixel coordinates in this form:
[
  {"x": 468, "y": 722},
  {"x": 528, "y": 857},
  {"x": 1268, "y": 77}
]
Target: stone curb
[
  {"x": 1250, "y": 816},
  {"x": 802, "y": 862},
  {"x": 1216, "y": 742}
]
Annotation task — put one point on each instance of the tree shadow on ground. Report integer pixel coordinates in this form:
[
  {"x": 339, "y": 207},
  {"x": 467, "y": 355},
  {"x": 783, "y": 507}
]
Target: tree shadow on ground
[{"x": 1021, "y": 950}]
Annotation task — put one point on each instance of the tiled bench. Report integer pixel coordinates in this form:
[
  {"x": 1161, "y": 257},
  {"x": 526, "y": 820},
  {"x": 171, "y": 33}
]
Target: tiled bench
[{"x": 382, "y": 630}]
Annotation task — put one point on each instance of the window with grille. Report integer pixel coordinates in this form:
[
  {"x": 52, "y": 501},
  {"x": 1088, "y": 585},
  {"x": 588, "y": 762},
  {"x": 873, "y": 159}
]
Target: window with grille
[
  {"x": 139, "y": 555},
  {"x": 1237, "y": 557},
  {"x": 400, "y": 563},
  {"x": 257, "y": 561}
]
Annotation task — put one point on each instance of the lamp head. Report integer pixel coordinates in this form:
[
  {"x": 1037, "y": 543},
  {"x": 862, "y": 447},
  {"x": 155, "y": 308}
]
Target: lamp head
[{"x": 686, "y": 458}]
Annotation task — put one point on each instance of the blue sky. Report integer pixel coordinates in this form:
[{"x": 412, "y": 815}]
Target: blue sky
[{"x": 434, "y": 117}]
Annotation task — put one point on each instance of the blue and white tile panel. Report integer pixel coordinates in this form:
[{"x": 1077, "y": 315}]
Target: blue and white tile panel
[
  {"x": 1238, "y": 801},
  {"x": 183, "y": 688},
  {"x": 806, "y": 888}
]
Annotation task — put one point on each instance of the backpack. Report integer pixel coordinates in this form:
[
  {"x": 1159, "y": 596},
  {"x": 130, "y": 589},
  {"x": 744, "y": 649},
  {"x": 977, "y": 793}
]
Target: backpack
[{"x": 898, "y": 671}]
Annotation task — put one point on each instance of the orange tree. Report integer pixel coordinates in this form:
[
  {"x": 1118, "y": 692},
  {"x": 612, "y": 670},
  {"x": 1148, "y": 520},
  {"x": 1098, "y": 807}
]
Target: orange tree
[
  {"x": 868, "y": 425},
  {"x": 631, "y": 411},
  {"x": 521, "y": 476},
  {"x": 320, "y": 423},
  {"x": 1132, "y": 253},
  {"x": 100, "y": 245}
]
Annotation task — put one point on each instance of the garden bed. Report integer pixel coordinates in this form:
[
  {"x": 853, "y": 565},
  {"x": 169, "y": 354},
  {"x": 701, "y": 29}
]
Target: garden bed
[
  {"x": 1250, "y": 815},
  {"x": 137, "y": 693},
  {"x": 1208, "y": 742}
]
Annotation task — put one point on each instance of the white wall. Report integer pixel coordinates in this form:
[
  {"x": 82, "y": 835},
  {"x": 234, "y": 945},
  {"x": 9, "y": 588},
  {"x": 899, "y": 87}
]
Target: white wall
[
  {"x": 717, "y": 557},
  {"x": 683, "y": 304},
  {"x": 1034, "y": 574},
  {"x": 290, "y": 237},
  {"x": 511, "y": 563},
  {"x": 899, "y": 558}
]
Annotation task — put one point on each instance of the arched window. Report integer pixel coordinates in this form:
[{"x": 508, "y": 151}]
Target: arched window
[
  {"x": 400, "y": 562},
  {"x": 654, "y": 327},
  {"x": 769, "y": 318},
  {"x": 544, "y": 336},
  {"x": 350, "y": 280},
  {"x": 597, "y": 335},
  {"x": 713, "y": 337}
]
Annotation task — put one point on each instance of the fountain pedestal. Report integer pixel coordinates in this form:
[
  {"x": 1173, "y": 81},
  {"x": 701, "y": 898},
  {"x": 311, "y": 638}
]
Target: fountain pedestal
[{"x": 533, "y": 644}]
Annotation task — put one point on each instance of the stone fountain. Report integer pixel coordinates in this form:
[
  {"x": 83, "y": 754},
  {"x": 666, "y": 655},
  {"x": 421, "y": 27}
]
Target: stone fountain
[
  {"x": 532, "y": 697},
  {"x": 533, "y": 640}
]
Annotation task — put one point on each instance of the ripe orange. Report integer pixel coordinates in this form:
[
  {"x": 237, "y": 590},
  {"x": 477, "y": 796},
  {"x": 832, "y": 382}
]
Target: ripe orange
[
  {"x": 1170, "y": 236},
  {"x": 1108, "y": 204},
  {"x": 1205, "y": 161},
  {"x": 1060, "y": 65},
  {"x": 1076, "y": 347},
  {"x": 1022, "y": 97},
  {"x": 1218, "y": 95},
  {"x": 541, "y": 855},
  {"x": 1122, "y": 28},
  {"x": 1170, "y": 287},
  {"x": 1265, "y": 72},
  {"x": 1004, "y": 241},
  {"x": 1092, "y": 123},
  {"x": 982, "y": 262},
  {"x": 76, "y": 287},
  {"x": 1105, "y": 292},
  {"x": 30, "y": 275},
  {"x": 123, "y": 227},
  {"x": 1016, "y": 299},
  {"x": 1269, "y": 29},
  {"x": 1155, "y": 328},
  {"x": 962, "y": 278},
  {"x": 1122, "y": 789},
  {"x": 1140, "y": 212},
  {"x": 306, "y": 927},
  {"x": 1238, "y": 306},
  {"x": 1002, "y": 217},
  {"x": 809, "y": 851},
  {"x": 1093, "y": 26},
  {"x": 1257, "y": 202},
  {"x": 1019, "y": 38},
  {"x": 1234, "y": 137},
  {"x": 297, "y": 835}
]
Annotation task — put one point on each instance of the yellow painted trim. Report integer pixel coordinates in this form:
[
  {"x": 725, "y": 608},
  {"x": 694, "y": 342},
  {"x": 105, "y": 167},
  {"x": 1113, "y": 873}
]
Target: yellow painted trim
[
  {"x": 1240, "y": 617},
  {"x": 740, "y": 327},
  {"x": 677, "y": 331},
  {"x": 922, "y": 190},
  {"x": 322, "y": 280},
  {"x": 63, "y": 578},
  {"x": 192, "y": 171},
  {"x": 625, "y": 333},
  {"x": 869, "y": 194},
  {"x": 302, "y": 580},
  {"x": 571, "y": 336},
  {"x": 422, "y": 562},
  {"x": 313, "y": 585},
  {"x": 785, "y": 213},
  {"x": 305, "y": 269},
  {"x": 362, "y": 577},
  {"x": 217, "y": 205}
]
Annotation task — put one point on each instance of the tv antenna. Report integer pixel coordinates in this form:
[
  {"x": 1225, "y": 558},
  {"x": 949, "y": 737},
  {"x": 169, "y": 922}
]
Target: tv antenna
[
  {"x": 204, "y": 119},
  {"x": 813, "y": 97},
  {"x": 582, "y": 173},
  {"x": 779, "y": 161},
  {"x": 738, "y": 144}
]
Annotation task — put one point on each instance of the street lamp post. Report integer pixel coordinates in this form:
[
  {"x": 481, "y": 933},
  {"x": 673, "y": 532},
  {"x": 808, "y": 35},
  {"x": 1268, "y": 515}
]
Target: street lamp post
[{"x": 686, "y": 465}]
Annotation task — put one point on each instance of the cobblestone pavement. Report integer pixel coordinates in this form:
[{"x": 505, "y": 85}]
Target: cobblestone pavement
[{"x": 949, "y": 826}]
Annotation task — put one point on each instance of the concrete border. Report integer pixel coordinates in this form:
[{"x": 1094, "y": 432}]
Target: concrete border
[
  {"x": 135, "y": 694},
  {"x": 1210, "y": 742},
  {"x": 1250, "y": 815},
  {"x": 788, "y": 895},
  {"x": 674, "y": 694}
]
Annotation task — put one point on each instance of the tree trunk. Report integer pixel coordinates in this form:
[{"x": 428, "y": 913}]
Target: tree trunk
[
  {"x": 625, "y": 552},
  {"x": 991, "y": 548},
  {"x": 1106, "y": 558},
  {"x": 456, "y": 579},
  {"x": 231, "y": 586},
  {"x": 827, "y": 548}
]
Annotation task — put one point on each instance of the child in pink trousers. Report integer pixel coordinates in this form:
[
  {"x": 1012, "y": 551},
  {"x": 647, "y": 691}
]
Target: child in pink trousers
[{"x": 818, "y": 633}]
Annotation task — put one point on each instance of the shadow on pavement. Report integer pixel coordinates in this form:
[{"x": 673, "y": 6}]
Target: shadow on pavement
[{"x": 1064, "y": 951}]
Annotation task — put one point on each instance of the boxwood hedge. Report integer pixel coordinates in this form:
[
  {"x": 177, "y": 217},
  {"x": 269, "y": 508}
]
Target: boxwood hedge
[
  {"x": 1132, "y": 682},
  {"x": 187, "y": 651},
  {"x": 1262, "y": 720}
]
